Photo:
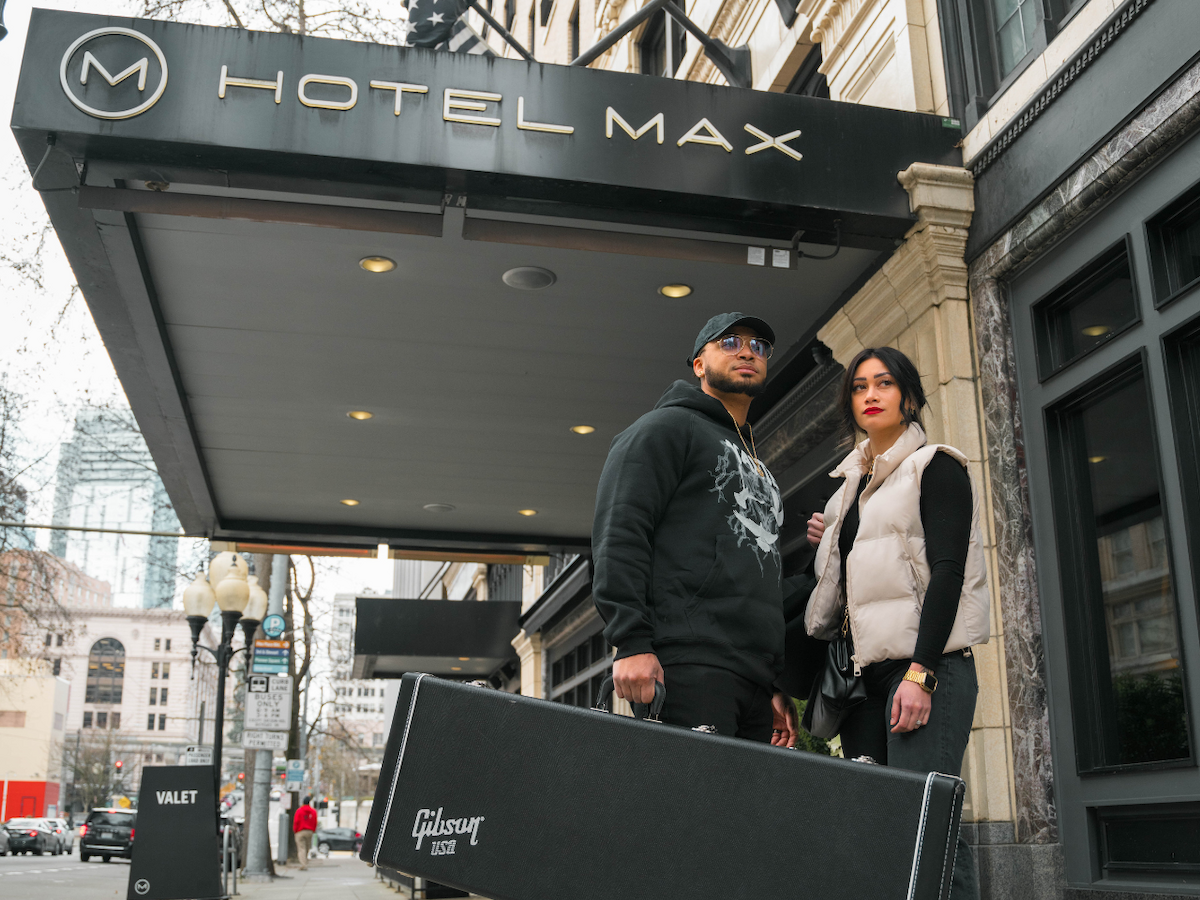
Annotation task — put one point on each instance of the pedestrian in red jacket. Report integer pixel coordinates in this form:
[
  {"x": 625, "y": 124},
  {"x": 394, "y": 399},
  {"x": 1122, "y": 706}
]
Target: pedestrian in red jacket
[{"x": 304, "y": 823}]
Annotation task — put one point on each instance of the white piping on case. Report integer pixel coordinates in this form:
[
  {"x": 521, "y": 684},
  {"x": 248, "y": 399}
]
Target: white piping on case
[
  {"x": 387, "y": 812},
  {"x": 912, "y": 878}
]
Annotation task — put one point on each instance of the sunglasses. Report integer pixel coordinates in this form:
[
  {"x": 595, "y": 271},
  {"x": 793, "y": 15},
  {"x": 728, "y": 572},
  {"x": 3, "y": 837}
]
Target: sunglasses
[{"x": 732, "y": 344}]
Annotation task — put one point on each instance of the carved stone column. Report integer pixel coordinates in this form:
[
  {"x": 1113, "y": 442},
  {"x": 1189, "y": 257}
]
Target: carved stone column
[{"x": 529, "y": 651}]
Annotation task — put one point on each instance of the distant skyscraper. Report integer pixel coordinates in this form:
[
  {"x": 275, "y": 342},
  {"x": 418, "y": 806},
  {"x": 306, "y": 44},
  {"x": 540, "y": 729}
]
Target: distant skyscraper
[{"x": 106, "y": 479}]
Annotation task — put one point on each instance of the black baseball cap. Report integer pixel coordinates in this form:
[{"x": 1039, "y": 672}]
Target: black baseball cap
[{"x": 720, "y": 324}]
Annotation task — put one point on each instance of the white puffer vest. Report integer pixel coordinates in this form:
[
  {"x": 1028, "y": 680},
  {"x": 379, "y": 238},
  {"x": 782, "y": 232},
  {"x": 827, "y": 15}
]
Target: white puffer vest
[{"x": 887, "y": 571}]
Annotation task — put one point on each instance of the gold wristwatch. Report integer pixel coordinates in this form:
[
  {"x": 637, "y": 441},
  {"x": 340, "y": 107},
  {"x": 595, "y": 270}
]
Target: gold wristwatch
[{"x": 927, "y": 680}]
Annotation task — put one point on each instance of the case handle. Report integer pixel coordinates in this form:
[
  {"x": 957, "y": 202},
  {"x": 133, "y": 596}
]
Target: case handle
[{"x": 642, "y": 711}]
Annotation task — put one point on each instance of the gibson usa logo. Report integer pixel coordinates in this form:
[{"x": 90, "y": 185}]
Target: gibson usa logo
[{"x": 430, "y": 824}]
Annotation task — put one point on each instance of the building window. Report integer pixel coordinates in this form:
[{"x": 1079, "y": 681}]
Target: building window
[
  {"x": 101, "y": 720},
  {"x": 114, "y": 720},
  {"x": 150, "y": 722},
  {"x": 58, "y": 666},
  {"x": 162, "y": 697},
  {"x": 49, "y": 639},
  {"x": 986, "y": 44},
  {"x": 87, "y": 720},
  {"x": 510, "y": 13},
  {"x": 153, "y": 670},
  {"x": 166, "y": 670},
  {"x": 106, "y": 672},
  {"x": 1123, "y": 629},
  {"x": 579, "y": 670},
  {"x": 808, "y": 80},
  {"x": 154, "y": 696},
  {"x": 162, "y": 722},
  {"x": 157, "y": 644},
  {"x": 167, "y": 645},
  {"x": 1088, "y": 310},
  {"x": 663, "y": 44},
  {"x": 58, "y": 642},
  {"x": 1175, "y": 247}
]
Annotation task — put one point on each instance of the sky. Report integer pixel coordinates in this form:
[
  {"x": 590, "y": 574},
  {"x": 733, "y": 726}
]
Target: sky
[{"x": 50, "y": 350}]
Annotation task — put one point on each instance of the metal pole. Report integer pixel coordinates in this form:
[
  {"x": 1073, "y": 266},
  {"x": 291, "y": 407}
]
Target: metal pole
[
  {"x": 258, "y": 838},
  {"x": 619, "y": 32},
  {"x": 224, "y": 655}
]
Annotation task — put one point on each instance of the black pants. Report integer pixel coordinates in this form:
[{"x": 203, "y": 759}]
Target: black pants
[
  {"x": 710, "y": 695},
  {"x": 937, "y": 746}
]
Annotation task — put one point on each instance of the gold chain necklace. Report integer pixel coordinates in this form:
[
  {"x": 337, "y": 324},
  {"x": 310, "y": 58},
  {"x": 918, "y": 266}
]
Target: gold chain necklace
[{"x": 751, "y": 449}]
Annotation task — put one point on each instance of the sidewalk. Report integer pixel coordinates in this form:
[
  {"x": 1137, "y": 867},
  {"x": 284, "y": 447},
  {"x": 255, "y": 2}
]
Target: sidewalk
[{"x": 340, "y": 877}]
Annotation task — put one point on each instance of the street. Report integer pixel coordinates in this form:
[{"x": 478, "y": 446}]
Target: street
[{"x": 340, "y": 877}]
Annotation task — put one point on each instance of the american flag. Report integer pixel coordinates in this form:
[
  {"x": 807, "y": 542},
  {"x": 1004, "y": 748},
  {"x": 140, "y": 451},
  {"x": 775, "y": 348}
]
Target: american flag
[{"x": 440, "y": 24}]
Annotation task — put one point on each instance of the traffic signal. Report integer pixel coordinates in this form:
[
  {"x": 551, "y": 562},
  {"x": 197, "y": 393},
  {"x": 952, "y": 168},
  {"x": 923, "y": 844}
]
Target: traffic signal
[
  {"x": 241, "y": 777},
  {"x": 120, "y": 765}
]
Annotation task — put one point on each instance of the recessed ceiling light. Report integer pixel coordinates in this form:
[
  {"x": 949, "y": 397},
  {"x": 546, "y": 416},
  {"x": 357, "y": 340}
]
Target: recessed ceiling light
[
  {"x": 1097, "y": 459},
  {"x": 529, "y": 278},
  {"x": 456, "y": 668},
  {"x": 377, "y": 264},
  {"x": 349, "y": 503},
  {"x": 438, "y": 507},
  {"x": 675, "y": 290},
  {"x": 527, "y": 512},
  {"x": 1096, "y": 330},
  {"x": 464, "y": 659},
  {"x": 582, "y": 429},
  {"x": 361, "y": 414}
]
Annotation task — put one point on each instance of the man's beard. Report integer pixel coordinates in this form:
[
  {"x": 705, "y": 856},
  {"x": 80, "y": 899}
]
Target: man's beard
[{"x": 729, "y": 385}]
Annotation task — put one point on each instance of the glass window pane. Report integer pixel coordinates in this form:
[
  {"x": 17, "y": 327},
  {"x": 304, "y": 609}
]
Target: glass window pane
[
  {"x": 1092, "y": 307},
  {"x": 1121, "y": 613},
  {"x": 1175, "y": 246}
]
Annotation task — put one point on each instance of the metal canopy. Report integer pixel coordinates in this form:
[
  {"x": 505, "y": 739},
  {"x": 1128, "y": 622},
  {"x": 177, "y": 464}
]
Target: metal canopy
[
  {"x": 450, "y": 639},
  {"x": 217, "y": 241}
]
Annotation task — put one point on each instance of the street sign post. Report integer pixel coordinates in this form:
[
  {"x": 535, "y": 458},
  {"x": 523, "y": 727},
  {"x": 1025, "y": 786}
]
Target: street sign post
[
  {"x": 269, "y": 703},
  {"x": 273, "y": 626},
  {"x": 200, "y": 755},
  {"x": 264, "y": 740},
  {"x": 295, "y": 775},
  {"x": 271, "y": 657}
]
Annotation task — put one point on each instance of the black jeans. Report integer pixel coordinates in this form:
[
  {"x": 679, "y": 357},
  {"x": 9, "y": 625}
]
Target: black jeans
[
  {"x": 937, "y": 746},
  {"x": 710, "y": 695}
]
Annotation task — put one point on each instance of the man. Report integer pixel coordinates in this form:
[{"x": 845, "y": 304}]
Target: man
[
  {"x": 304, "y": 823},
  {"x": 686, "y": 547}
]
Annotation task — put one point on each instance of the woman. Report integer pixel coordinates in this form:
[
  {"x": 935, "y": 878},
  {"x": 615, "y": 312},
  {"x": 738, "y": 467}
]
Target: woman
[{"x": 901, "y": 554}]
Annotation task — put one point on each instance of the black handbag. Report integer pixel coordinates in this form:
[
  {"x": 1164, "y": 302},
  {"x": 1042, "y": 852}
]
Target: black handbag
[{"x": 837, "y": 690}]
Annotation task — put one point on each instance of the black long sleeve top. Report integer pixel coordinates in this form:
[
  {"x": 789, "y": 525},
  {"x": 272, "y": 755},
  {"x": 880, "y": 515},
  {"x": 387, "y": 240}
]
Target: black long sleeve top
[{"x": 946, "y": 517}]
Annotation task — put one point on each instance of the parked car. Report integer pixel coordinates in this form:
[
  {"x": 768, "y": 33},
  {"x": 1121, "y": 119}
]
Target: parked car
[
  {"x": 31, "y": 836},
  {"x": 327, "y": 839},
  {"x": 66, "y": 835},
  {"x": 4, "y": 848},
  {"x": 107, "y": 833},
  {"x": 276, "y": 794}
]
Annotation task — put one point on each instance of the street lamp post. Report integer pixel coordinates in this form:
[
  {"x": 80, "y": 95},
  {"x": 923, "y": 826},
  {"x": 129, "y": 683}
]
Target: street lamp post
[{"x": 228, "y": 572}]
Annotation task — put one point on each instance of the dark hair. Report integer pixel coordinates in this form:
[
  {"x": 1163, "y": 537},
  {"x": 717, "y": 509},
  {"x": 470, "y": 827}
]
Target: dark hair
[{"x": 912, "y": 395}]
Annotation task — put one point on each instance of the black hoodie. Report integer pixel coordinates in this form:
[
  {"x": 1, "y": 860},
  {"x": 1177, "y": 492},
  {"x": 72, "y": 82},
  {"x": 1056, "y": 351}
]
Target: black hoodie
[{"x": 686, "y": 541}]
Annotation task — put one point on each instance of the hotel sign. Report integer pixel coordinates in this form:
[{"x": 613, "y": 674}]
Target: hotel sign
[{"x": 99, "y": 81}]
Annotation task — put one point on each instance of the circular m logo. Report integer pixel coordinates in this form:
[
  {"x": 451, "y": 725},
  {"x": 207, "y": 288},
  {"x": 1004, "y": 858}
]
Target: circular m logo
[
  {"x": 142, "y": 886},
  {"x": 106, "y": 73}
]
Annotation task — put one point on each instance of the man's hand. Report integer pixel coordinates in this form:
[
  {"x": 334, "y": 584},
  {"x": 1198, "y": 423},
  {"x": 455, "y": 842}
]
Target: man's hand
[
  {"x": 816, "y": 528},
  {"x": 784, "y": 727},
  {"x": 911, "y": 706},
  {"x": 634, "y": 677}
]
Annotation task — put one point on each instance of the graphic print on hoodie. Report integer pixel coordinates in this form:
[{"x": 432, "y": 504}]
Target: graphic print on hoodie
[{"x": 685, "y": 542}]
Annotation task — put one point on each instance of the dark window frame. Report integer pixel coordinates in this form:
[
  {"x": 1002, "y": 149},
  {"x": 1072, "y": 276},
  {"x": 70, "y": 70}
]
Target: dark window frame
[
  {"x": 808, "y": 80},
  {"x": 969, "y": 53},
  {"x": 1095, "y": 269},
  {"x": 1187, "y": 203},
  {"x": 1079, "y": 576},
  {"x": 1184, "y": 401},
  {"x": 98, "y": 653},
  {"x": 653, "y": 40}
]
